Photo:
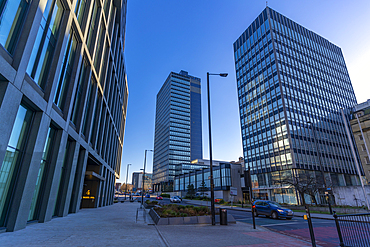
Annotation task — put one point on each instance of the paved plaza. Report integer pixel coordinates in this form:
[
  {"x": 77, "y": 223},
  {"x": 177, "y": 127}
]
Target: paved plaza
[{"x": 116, "y": 225}]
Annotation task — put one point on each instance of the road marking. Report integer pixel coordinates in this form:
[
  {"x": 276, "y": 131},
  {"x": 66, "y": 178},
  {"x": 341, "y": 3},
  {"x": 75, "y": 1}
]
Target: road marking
[{"x": 283, "y": 224}]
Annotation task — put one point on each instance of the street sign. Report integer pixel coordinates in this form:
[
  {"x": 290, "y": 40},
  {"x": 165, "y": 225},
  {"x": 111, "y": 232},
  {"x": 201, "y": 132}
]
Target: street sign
[{"x": 233, "y": 191}]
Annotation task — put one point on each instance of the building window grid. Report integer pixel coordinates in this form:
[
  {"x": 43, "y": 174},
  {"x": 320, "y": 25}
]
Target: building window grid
[{"x": 242, "y": 123}]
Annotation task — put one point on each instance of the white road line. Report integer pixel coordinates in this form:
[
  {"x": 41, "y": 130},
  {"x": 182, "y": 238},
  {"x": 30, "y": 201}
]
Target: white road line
[{"x": 283, "y": 224}]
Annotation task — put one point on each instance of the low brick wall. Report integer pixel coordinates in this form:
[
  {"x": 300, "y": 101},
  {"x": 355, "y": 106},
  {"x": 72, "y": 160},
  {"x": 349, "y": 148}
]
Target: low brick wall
[{"x": 187, "y": 220}]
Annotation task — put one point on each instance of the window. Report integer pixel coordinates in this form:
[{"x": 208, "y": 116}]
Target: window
[
  {"x": 12, "y": 15},
  {"x": 41, "y": 176},
  {"x": 82, "y": 83},
  {"x": 367, "y": 160},
  {"x": 46, "y": 39},
  {"x": 13, "y": 156},
  {"x": 363, "y": 147},
  {"x": 93, "y": 26},
  {"x": 79, "y": 10},
  {"x": 66, "y": 72},
  {"x": 360, "y": 137}
]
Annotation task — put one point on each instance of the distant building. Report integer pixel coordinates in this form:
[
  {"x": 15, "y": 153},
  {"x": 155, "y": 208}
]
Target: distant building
[
  {"x": 226, "y": 175},
  {"x": 148, "y": 182},
  {"x": 239, "y": 162},
  {"x": 137, "y": 181},
  {"x": 291, "y": 85},
  {"x": 178, "y": 127},
  {"x": 361, "y": 114},
  {"x": 117, "y": 186}
]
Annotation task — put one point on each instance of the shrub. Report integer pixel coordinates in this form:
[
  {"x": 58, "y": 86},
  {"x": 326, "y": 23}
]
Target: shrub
[
  {"x": 151, "y": 202},
  {"x": 174, "y": 210},
  {"x": 165, "y": 195}
]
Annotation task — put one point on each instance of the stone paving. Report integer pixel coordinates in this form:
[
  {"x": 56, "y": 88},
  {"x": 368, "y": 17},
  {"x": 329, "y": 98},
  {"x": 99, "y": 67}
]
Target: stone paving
[
  {"x": 116, "y": 225},
  {"x": 107, "y": 226}
]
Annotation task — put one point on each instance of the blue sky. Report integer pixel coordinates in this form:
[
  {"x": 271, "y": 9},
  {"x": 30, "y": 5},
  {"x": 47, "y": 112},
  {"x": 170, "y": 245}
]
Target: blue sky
[{"x": 197, "y": 36}]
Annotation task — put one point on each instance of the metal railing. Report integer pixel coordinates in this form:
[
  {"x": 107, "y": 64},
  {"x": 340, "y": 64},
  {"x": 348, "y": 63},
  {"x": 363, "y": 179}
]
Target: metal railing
[{"x": 353, "y": 229}]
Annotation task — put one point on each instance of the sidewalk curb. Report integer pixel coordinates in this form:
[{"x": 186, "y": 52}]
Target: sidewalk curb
[
  {"x": 162, "y": 237},
  {"x": 248, "y": 210}
]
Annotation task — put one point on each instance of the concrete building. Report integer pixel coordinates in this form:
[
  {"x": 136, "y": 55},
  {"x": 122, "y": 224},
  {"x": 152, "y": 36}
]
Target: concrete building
[
  {"x": 178, "y": 128},
  {"x": 291, "y": 86},
  {"x": 360, "y": 124},
  {"x": 63, "y": 99}
]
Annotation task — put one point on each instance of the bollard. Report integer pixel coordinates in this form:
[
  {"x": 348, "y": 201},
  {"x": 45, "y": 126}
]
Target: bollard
[
  {"x": 310, "y": 227},
  {"x": 338, "y": 229}
]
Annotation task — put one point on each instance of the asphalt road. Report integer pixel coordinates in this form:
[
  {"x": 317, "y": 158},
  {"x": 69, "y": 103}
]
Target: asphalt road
[{"x": 324, "y": 230}]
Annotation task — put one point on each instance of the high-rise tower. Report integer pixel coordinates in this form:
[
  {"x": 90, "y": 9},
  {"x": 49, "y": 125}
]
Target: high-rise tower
[
  {"x": 63, "y": 101},
  {"x": 178, "y": 127},
  {"x": 291, "y": 86}
]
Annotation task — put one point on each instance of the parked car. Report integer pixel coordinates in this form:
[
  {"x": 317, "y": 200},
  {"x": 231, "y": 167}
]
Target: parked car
[
  {"x": 147, "y": 196},
  {"x": 159, "y": 198},
  {"x": 271, "y": 209},
  {"x": 175, "y": 199}
]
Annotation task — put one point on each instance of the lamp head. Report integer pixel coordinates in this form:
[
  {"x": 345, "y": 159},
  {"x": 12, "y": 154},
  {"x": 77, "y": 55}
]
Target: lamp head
[{"x": 223, "y": 74}]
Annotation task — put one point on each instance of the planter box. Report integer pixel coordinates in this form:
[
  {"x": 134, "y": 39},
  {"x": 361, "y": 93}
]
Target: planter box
[
  {"x": 191, "y": 220},
  {"x": 204, "y": 219},
  {"x": 149, "y": 206},
  {"x": 186, "y": 220}
]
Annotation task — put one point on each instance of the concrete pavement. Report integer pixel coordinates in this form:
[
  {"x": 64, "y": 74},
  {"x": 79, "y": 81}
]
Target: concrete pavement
[{"x": 116, "y": 226}]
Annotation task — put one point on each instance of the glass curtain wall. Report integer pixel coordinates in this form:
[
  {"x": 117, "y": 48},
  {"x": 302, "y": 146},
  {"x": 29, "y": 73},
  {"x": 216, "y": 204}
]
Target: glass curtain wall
[
  {"x": 81, "y": 86},
  {"x": 66, "y": 72},
  {"x": 12, "y": 16},
  {"x": 13, "y": 158},
  {"x": 43, "y": 49},
  {"x": 41, "y": 176}
]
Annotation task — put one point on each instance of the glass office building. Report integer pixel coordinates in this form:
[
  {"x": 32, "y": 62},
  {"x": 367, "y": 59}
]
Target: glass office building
[
  {"x": 63, "y": 100},
  {"x": 291, "y": 86},
  {"x": 178, "y": 127}
]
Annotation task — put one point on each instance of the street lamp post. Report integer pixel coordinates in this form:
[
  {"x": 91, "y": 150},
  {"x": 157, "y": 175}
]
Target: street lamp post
[
  {"x": 128, "y": 165},
  {"x": 210, "y": 147},
  {"x": 142, "y": 189}
]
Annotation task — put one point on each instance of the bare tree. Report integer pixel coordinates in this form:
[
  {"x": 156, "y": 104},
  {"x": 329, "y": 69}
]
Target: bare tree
[{"x": 304, "y": 183}]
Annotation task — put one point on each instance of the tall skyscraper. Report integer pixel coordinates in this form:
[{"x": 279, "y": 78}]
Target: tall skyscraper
[
  {"x": 63, "y": 100},
  {"x": 178, "y": 127},
  {"x": 291, "y": 86}
]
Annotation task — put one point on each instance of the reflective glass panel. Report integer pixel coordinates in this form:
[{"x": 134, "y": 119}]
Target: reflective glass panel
[
  {"x": 43, "y": 49},
  {"x": 12, "y": 15},
  {"x": 12, "y": 158}
]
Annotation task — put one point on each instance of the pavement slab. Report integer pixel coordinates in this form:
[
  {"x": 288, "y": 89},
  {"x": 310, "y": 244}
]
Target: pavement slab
[
  {"x": 239, "y": 234},
  {"x": 113, "y": 225}
]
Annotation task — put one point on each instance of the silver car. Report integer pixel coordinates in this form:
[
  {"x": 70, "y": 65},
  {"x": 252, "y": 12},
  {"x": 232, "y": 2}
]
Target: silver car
[{"x": 175, "y": 199}]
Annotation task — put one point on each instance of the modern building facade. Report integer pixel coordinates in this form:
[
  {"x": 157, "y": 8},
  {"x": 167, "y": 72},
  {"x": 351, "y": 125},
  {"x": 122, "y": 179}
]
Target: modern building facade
[
  {"x": 63, "y": 99},
  {"x": 137, "y": 180},
  {"x": 291, "y": 85},
  {"x": 360, "y": 125},
  {"x": 226, "y": 175},
  {"x": 178, "y": 127}
]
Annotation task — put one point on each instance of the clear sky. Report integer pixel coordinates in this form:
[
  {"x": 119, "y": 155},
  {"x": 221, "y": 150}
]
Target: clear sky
[{"x": 197, "y": 36}]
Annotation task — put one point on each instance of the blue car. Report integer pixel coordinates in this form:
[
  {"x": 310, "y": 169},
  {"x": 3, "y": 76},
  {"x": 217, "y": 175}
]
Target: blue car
[{"x": 271, "y": 209}]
